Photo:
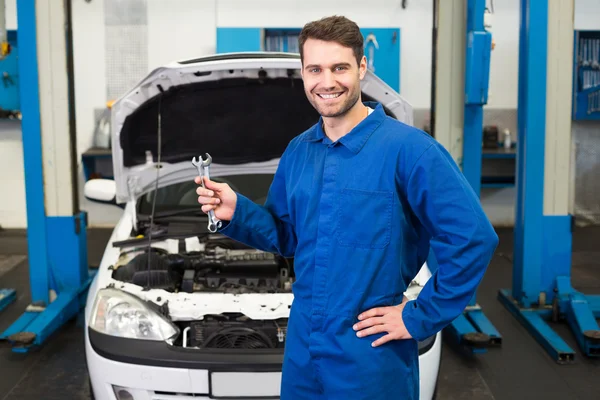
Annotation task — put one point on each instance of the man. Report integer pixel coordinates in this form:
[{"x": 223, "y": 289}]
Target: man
[{"x": 358, "y": 200}]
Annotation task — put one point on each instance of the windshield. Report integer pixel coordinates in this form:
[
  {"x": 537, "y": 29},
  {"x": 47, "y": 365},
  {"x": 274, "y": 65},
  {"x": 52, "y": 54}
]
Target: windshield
[{"x": 183, "y": 195}]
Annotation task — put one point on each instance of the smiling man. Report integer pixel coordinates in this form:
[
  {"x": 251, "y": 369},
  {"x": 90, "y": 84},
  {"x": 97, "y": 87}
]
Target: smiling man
[{"x": 359, "y": 200}]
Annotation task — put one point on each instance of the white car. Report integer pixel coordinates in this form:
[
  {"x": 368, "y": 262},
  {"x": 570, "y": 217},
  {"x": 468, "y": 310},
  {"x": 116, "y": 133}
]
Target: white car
[{"x": 200, "y": 316}]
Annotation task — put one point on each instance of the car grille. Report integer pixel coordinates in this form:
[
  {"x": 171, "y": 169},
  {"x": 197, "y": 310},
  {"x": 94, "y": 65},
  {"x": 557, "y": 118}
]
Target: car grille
[{"x": 234, "y": 334}]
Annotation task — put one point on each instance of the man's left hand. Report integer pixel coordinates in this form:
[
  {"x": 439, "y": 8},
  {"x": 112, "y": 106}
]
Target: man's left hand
[{"x": 383, "y": 319}]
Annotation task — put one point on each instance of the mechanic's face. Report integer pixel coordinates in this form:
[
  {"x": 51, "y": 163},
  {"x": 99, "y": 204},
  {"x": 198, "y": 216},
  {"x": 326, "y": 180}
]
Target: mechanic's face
[{"x": 331, "y": 77}]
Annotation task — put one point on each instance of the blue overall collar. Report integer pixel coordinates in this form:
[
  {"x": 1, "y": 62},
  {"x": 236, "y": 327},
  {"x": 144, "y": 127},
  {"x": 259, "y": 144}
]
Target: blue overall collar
[{"x": 357, "y": 137}]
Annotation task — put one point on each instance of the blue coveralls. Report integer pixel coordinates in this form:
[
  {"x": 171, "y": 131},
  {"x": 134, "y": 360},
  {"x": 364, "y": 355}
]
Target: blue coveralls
[{"x": 359, "y": 216}]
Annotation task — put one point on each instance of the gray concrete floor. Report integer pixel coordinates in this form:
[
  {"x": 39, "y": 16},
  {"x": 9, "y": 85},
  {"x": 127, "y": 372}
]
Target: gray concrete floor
[{"x": 520, "y": 369}]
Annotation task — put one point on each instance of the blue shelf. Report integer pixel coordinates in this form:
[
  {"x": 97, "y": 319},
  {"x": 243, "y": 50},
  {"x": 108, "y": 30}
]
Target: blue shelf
[
  {"x": 497, "y": 185},
  {"x": 231, "y": 40},
  {"x": 282, "y": 39},
  {"x": 499, "y": 153},
  {"x": 9, "y": 69},
  {"x": 586, "y": 75}
]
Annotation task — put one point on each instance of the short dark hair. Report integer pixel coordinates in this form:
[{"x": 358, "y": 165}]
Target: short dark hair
[{"x": 337, "y": 29}]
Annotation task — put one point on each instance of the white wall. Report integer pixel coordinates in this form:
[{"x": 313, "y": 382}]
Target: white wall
[
  {"x": 193, "y": 34},
  {"x": 89, "y": 55},
  {"x": 11, "y": 14},
  {"x": 504, "y": 64},
  {"x": 12, "y": 176},
  {"x": 587, "y": 14},
  {"x": 186, "y": 28}
]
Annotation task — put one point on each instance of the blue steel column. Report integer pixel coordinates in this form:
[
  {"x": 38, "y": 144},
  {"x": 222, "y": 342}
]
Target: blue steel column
[
  {"x": 541, "y": 287},
  {"x": 32, "y": 151},
  {"x": 531, "y": 128},
  {"x": 472, "y": 328},
  {"x": 477, "y": 68},
  {"x": 476, "y": 91}
]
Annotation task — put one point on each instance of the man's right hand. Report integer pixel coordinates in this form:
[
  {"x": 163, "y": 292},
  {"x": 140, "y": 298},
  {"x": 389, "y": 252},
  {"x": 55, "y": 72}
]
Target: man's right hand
[{"x": 218, "y": 197}]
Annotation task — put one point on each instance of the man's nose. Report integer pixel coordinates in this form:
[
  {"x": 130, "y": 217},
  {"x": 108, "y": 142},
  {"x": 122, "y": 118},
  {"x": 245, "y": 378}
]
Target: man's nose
[{"x": 328, "y": 80}]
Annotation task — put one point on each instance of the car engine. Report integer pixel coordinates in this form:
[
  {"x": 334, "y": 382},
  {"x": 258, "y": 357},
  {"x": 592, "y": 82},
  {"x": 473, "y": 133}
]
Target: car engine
[{"x": 223, "y": 266}]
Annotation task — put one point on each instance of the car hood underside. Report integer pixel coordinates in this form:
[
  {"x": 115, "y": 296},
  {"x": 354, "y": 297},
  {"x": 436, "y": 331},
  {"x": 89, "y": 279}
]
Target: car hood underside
[{"x": 235, "y": 120}]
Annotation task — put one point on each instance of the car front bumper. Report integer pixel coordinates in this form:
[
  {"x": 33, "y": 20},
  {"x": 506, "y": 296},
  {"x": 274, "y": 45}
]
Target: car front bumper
[{"x": 156, "y": 371}]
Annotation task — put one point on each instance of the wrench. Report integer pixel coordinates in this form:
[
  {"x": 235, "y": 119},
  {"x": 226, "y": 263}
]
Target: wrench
[{"x": 203, "y": 167}]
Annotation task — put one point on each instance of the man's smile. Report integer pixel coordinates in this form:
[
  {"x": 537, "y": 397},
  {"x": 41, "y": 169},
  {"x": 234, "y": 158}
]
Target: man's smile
[{"x": 329, "y": 96}]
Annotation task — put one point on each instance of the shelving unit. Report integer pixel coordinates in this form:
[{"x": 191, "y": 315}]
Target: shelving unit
[
  {"x": 501, "y": 152},
  {"x": 505, "y": 178},
  {"x": 281, "y": 40},
  {"x": 586, "y": 75},
  {"x": 10, "y": 101}
]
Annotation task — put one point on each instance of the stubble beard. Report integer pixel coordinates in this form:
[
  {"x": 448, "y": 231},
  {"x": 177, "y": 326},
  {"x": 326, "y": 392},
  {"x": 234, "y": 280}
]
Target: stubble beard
[{"x": 344, "y": 108}]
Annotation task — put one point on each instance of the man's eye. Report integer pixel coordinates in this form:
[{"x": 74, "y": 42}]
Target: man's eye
[
  {"x": 314, "y": 70},
  {"x": 340, "y": 68}
]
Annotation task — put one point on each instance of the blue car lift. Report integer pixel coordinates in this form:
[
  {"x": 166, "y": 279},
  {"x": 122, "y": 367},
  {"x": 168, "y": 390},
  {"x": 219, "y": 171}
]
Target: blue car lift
[
  {"x": 472, "y": 330},
  {"x": 7, "y": 296},
  {"x": 541, "y": 287},
  {"x": 56, "y": 230}
]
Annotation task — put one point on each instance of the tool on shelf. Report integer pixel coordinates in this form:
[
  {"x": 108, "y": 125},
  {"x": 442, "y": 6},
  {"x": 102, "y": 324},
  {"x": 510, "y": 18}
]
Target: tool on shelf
[{"x": 586, "y": 89}]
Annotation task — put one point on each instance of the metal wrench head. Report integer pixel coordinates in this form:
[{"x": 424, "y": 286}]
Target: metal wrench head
[
  {"x": 206, "y": 162},
  {"x": 202, "y": 162},
  {"x": 197, "y": 164}
]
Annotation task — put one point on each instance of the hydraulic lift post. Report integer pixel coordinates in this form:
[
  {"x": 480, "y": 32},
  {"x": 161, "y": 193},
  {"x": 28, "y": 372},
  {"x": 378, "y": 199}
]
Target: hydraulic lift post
[
  {"x": 541, "y": 287},
  {"x": 56, "y": 229},
  {"x": 462, "y": 80}
]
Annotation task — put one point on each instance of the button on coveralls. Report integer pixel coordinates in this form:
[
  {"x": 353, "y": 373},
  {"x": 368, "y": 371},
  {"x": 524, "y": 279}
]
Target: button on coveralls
[{"x": 359, "y": 216}]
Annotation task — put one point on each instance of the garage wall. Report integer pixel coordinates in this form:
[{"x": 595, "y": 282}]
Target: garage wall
[
  {"x": 587, "y": 14},
  {"x": 98, "y": 50},
  {"x": 12, "y": 176},
  {"x": 186, "y": 28}
]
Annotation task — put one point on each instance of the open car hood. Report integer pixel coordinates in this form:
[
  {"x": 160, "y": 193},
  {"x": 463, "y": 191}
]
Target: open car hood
[{"x": 241, "y": 108}]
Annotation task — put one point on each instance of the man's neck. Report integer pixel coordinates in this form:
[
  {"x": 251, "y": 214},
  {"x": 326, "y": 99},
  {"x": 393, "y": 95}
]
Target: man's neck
[{"x": 337, "y": 127}]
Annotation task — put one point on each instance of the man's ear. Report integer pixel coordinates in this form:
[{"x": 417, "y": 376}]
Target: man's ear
[{"x": 362, "y": 68}]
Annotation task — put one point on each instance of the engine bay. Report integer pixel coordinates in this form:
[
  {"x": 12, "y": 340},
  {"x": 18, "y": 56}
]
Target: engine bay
[
  {"x": 216, "y": 286},
  {"x": 217, "y": 264}
]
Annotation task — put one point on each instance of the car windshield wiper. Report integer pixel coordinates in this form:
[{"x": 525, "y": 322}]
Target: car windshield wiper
[{"x": 196, "y": 211}]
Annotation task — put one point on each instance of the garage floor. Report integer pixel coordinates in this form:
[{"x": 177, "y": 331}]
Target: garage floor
[{"x": 518, "y": 370}]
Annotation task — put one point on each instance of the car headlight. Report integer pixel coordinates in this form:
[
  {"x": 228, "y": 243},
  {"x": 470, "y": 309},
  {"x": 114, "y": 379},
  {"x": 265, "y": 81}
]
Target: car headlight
[{"x": 118, "y": 313}]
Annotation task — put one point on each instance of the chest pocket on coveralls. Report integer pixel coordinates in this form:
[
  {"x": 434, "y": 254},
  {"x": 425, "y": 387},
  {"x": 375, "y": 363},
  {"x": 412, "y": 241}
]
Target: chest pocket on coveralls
[{"x": 364, "y": 218}]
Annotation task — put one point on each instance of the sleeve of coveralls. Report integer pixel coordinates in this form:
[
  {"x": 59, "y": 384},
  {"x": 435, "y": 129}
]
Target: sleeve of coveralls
[
  {"x": 269, "y": 227},
  {"x": 462, "y": 240}
]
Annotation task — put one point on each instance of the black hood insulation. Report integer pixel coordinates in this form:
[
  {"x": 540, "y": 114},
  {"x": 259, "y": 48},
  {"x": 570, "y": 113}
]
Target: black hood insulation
[{"x": 235, "y": 120}]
